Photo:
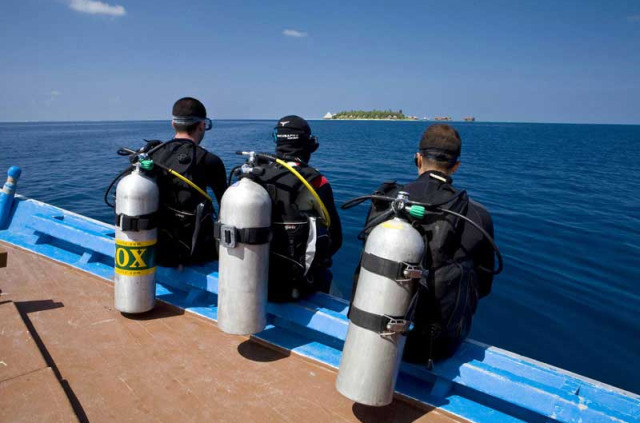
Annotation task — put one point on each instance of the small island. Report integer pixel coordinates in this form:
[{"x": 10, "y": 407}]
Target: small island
[
  {"x": 386, "y": 115},
  {"x": 369, "y": 115}
]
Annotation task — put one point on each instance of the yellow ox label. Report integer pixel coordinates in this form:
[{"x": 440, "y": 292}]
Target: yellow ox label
[{"x": 135, "y": 258}]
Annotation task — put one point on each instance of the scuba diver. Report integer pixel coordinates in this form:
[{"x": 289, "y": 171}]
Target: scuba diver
[
  {"x": 185, "y": 227},
  {"x": 183, "y": 171},
  {"x": 459, "y": 255},
  {"x": 302, "y": 245}
]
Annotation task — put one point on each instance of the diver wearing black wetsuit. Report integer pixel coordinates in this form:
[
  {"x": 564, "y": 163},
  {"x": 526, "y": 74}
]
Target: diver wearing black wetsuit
[
  {"x": 185, "y": 227},
  {"x": 458, "y": 258},
  {"x": 292, "y": 272}
]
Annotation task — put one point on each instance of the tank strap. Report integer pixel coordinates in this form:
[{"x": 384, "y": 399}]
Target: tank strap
[
  {"x": 379, "y": 323},
  {"x": 137, "y": 223},
  {"x": 229, "y": 236},
  {"x": 398, "y": 271}
]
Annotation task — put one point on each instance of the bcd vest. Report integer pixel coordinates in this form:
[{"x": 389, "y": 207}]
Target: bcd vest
[
  {"x": 185, "y": 226},
  {"x": 300, "y": 242}
]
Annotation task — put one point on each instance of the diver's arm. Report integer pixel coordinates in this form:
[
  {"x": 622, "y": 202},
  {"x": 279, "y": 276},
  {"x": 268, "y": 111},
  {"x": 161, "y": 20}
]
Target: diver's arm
[
  {"x": 484, "y": 256},
  {"x": 335, "y": 230},
  {"x": 216, "y": 175}
]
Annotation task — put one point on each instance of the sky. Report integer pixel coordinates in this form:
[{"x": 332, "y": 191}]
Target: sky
[{"x": 505, "y": 61}]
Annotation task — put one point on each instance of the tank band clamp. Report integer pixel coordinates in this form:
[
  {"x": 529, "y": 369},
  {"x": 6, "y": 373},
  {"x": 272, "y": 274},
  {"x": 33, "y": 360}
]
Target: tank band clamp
[
  {"x": 379, "y": 323},
  {"x": 396, "y": 270},
  {"x": 230, "y": 236},
  {"x": 137, "y": 223},
  {"x": 412, "y": 272}
]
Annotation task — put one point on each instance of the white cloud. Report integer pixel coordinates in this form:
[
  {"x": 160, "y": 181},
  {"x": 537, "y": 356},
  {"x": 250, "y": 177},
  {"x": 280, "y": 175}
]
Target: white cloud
[
  {"x": 51, "y": 97},
  {"x": 94, "y": 7},
  {"x": 294, "y": 33},
  {"x": 633, "y": 18}
]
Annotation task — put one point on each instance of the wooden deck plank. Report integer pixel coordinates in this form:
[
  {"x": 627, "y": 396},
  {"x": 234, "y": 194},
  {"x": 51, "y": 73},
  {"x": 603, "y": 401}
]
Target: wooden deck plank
[
  {"x": 19, "y": 354},
  {"x": 166, "y": 366},
  {"x": 34, "y": 397}
]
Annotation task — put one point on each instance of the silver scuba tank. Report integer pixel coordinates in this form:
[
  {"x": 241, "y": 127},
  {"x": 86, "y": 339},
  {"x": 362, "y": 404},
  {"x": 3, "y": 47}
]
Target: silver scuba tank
[
  {"x": 385, "y": 288},
  {"x": 244, "y": 233},
  {"x": 137, "y": 199}
]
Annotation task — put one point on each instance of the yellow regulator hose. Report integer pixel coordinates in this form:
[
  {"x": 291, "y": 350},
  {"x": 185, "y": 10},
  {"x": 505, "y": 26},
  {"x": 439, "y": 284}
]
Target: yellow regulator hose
[
  {"x": 313, "y": 192},
  {"x": 188, "y": 182}
]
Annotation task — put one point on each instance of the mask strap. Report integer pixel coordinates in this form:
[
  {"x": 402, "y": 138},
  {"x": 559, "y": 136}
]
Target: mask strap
[
  {"x": 439, "y": 155},
  {"x": 187, "y": 120}
]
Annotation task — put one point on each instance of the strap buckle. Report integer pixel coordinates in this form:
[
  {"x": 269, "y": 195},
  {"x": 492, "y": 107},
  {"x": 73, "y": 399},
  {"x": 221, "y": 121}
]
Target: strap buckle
[
  {"x": 412, "y": 272},
  {"x": 396, "y": 326},
  {"x": 127, "y": 223},
  {"x": 228, "y": 236},
  {"x": 136, "y": 223}
]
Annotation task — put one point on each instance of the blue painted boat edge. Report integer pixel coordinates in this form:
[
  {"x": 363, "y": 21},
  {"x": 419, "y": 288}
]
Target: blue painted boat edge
[{"x": 478, "y": 383}]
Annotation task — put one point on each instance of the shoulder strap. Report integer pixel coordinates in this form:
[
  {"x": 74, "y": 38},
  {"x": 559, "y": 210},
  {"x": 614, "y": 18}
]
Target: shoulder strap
[
  {"x": 387, "y": 187},
  {"x": 378, "y": 208},
  {"x": 442, "y": 232},
  {"x": 162, "y": 157},
  {"x": 150, "y": 145},
  {"x": 284, "y": 187}
]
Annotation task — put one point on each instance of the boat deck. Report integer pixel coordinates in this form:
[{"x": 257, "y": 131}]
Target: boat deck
[{"x": 67, "y": 355}]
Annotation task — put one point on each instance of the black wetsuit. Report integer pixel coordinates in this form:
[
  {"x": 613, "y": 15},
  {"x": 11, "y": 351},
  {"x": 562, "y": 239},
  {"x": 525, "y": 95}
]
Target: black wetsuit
[
  {"x": 450, "y": 287},
  {"x": 324, "y": 191},
  {"x": 179, "y": 203}
]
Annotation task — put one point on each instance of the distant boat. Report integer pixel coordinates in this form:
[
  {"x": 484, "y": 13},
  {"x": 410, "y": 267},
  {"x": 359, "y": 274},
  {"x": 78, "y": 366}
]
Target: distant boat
[
  {"x": 469, "y": 119},
  {"x": 328, "y": 116},
  {"x": 442, "y": 118}
]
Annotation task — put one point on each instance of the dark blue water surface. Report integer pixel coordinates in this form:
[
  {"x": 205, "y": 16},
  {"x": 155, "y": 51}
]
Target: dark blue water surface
[{"x": 565, "y": 202}]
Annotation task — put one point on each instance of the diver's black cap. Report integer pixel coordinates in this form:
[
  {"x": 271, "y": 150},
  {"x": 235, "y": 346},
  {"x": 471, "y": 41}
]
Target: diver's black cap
[
  {"x": 292, "y": 128},
  {"x": 189, "y": 107},
  {"x": 441, "y": 138}
]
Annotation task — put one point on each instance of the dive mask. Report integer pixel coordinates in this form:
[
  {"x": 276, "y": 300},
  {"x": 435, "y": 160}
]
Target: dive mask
[{"x": 188, "y": 120}]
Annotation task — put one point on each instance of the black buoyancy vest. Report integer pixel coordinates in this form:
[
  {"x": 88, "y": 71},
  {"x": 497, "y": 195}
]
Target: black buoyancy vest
[
  {"x": 293, "y": 261},
  {"x": 448, "y": 295},
  {"x": 185, "y": 216}
]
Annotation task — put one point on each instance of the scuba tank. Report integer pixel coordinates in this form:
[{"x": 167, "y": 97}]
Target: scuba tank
[
  {"x": 136, "y": 207},
  {"x": 385, "y": 289},
  {"x": 244, "y": 231}
]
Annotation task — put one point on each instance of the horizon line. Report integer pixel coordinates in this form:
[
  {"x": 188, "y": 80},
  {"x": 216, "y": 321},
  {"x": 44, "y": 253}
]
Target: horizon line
[{"x": 322, "y": 119}]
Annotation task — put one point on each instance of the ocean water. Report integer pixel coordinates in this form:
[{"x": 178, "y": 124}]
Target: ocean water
[{"x": 564, "y": 198}]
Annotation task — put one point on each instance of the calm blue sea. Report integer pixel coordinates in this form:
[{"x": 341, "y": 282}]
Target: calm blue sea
[{"x": 565, "y": 202}]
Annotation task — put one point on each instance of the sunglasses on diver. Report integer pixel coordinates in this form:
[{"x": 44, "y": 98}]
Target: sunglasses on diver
[{"x": 187, "y": 120}]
